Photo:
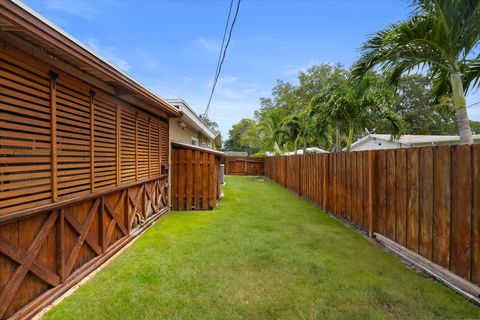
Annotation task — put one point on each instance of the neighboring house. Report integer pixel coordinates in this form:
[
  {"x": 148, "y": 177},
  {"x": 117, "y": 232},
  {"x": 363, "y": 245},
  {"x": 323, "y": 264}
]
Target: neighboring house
[
  {"x": 310, "y": 150},
  {"x": 236, "y": 153},
  {"x": 384, "y": 141},
  {"x": 190, "y": 129}
]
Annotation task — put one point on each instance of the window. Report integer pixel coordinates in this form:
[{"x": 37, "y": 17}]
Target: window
[{"x": 194, "y": 141}]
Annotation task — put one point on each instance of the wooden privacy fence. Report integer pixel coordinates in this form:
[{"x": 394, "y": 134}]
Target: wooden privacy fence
[
  {"x": 425, "y": 199},
  {"x": 195, "y": 177},
  {"x": 244, "y": 166}
]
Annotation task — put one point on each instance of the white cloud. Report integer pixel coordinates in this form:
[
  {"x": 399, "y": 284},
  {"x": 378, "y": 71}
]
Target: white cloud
[
  {"x": 109, "y": 53},
  {"x": 81, "y": 8},
  {"x": 146, "y": 61},
  {"x": 206, "y": 44},
  {"x": 187, "y": 79}
]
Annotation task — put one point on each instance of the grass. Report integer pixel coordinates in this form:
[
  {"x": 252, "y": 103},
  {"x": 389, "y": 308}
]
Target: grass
[{"x": 262, "y": 254}]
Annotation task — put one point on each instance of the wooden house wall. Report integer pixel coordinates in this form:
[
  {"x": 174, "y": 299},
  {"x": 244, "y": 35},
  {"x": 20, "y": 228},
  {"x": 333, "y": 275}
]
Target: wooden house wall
[{"x": 81, "y": 174}]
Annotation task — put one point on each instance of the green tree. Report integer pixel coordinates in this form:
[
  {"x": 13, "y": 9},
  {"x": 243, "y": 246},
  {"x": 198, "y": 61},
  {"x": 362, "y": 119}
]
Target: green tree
[
  {"x": 351, "y": 107},
  {"x": 212, "y": 125},
  {"x": 272, "y": 130},
  {"x": 236, "y": 140},
  {"x": 440, "y": 35},
  {"x": 419, "y": 109}
]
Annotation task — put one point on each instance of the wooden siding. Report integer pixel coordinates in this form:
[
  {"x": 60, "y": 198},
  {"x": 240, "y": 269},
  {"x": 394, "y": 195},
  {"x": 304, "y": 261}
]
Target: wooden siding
[
  {"x": 195, "y": 179},
  {"x": 81, "y": 174},
  {"x": 426, "y": 199},
  {"x": 62, "y": 139}
]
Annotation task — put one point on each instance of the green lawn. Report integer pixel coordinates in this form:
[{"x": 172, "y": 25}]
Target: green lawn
[{"x": 262, "y": 254}]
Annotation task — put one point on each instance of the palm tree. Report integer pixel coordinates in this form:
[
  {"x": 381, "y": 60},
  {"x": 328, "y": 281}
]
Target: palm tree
[
  {"x": 440, "y": 35},
  {"x": 351, "y": 107},
  {"x": 295, "y": 129},
  {"x": 271, "y": 127}
]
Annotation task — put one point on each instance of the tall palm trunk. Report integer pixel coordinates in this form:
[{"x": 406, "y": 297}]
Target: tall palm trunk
[
  {"x": 350, "y": 138},
  {"x": 461, "y": 108},
  {"x": 337, "y": 138},
  {"x": 276, "y": 148}
]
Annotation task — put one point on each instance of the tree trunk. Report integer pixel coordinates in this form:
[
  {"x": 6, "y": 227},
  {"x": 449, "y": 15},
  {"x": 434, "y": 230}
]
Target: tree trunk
[
  {"x": 460, "y": 102},
  {"x": 337, "y": 139},
  {"x": 276, "y": 148},
  {"x": 350, "y": 138}
]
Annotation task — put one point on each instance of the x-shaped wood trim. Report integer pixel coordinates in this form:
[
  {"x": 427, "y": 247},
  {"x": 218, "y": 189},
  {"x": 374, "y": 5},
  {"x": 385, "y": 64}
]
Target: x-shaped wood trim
[
  {"x": 82, "y": 234},
  {"x": 114, "y": 214},
  {"x": 134, "y": 203},
  {"x": 18, "y": 255},
  {"x": 89, "y": 239},
  {"x": 162, "y": 193},
  {"x": 151, "y": 198},
  {"x": 30, "y": 255}
]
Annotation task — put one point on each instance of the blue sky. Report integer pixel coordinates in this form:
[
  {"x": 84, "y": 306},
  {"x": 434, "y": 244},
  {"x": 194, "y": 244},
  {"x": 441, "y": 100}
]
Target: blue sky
[{"x": 172, "y": 46}]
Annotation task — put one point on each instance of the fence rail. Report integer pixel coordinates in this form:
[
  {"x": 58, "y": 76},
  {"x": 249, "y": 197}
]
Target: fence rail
[{"x": 425, "y": 199}]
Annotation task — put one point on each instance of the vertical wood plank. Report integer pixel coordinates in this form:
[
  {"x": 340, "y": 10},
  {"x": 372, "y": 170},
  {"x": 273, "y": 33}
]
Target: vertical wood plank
[
  {"x": 211, "y": 182},
  {"x": 354, "y": 198},
  {"x": 372, "y": 192},
  {"x": 174, "y": 173},
  {"x": 413, "y": 216},
  {"x": 426, "y": 202},
  {"x": 205, "y": 181},
  {"x": 198, "y": 180},
  {"x": 442, "y": 206},
  {"x": 359, "y": 192},
  {"x": 391, "y": 184},
  {"x": 382, "y": 192},
  {"x": 181, "y": 179},
  {"x": 189, "y": 178},
  {"x": 475, "y": 278},
  {"x": 326, "y": 186},
  {"x": 366, "y": 204},
  {"x": 460, "y": 249},
  {"x": 401, "y": 196}
]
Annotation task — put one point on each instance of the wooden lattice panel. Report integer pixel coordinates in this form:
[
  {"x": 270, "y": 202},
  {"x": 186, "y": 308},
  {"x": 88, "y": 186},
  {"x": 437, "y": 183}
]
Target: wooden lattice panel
[
  {"x": 143, "y": 146},
  {"x": 73, "y": 140},
  {"x": 154, "y": 147},
  {"x": 105, "y": 142},
  {"x": 24, "y": 136},
  {"x": 164, "y": 142},
  {"x": 128, "y": 140}
]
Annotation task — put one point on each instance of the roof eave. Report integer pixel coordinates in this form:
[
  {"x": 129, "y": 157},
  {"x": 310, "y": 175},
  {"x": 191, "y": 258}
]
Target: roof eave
[{"x": 19, "y": 14}]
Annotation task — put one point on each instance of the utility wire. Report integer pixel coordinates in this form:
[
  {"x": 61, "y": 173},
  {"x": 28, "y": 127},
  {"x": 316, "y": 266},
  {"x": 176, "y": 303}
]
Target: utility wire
[
  {"x": 223, "y": 40},
  {"x": 222, "y": 54}
]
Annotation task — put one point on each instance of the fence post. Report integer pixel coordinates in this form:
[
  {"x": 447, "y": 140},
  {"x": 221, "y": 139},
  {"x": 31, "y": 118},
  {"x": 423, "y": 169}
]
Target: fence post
[{"x": 372, "y": 192}]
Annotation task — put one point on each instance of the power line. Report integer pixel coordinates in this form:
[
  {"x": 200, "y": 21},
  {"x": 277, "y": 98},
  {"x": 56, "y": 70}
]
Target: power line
[
  {"x": 223, "y": 40},
  {"x": 222, "y": 54},
  {"x": 474, "y": 104}
]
